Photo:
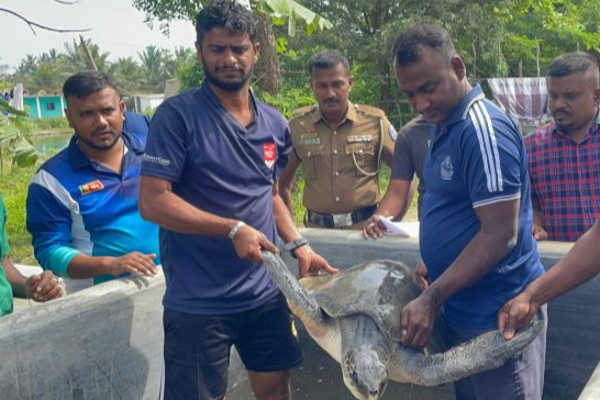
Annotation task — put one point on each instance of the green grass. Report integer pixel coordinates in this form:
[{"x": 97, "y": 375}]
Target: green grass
[
  {"x": 384, "y": 178},
  {"x": 57, "y": 125},
  {"x": 13, "y": 188}
]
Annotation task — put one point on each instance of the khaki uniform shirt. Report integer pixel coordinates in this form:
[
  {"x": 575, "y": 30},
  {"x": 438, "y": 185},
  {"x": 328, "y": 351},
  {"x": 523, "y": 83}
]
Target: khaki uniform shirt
[{"x": 341, "y": 166}]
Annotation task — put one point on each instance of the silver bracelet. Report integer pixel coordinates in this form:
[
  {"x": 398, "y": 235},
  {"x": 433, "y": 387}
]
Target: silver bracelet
[{"x": 235, "y": 229}]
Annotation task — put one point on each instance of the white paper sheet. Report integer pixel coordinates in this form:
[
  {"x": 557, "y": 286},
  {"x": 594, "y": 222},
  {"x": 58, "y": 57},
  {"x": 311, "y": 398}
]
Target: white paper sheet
[{"x": 401, "y": 229}]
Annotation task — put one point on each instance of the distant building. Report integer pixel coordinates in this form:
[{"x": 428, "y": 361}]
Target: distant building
[
  {"x": 172, "y": 87},
  {"x": 143, "y": 102},
  {"x": 44, "y": 106}
]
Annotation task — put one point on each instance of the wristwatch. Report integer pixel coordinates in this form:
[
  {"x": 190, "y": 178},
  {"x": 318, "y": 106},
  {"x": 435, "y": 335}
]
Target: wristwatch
[{"x": 295, "y": 244}]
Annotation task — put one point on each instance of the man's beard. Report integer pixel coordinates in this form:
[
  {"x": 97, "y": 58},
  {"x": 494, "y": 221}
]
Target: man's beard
[
  {"x": 94, "y": 146},
  {"x": 231, "y": 86}
]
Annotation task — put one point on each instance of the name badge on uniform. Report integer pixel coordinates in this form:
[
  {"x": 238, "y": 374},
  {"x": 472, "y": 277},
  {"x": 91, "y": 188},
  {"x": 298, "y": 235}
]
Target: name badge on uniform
[
  {"x": 393, "y": 132},
  {"x": 359, "y": 139},
  {"x": 307, "y": 139},
  {"x": 91, "y": 187},
  {"x": 269, "y": 154}
]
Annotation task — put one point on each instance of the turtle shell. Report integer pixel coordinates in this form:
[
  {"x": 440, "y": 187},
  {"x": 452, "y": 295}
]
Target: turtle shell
[{"x": 379, "y": 288}]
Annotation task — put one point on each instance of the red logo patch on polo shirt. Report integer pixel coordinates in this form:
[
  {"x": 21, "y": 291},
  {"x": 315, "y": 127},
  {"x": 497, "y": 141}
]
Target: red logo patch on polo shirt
[
  {"x": 269, "y": 154},
  {"x": 91, "y": 187}
]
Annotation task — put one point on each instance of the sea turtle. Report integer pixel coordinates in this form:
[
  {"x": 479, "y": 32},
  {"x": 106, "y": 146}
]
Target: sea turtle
[{"x": 355, "y": 317}]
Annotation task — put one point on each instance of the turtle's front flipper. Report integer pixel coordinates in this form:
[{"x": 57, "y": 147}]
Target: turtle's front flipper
[
  {"x": 302, "y": 304},
  {"x": 485, "y": 352}
]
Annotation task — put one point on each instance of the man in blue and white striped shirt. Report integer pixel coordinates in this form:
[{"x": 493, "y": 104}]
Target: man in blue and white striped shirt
[
  {"x": 82, "y": 205},
  {"x": 476, "y": 223}
]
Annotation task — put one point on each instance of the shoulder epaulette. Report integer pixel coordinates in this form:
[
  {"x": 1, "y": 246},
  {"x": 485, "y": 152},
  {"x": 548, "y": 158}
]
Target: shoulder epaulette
[
  {"x": 302, "y": 111},
  {"x": 370, "y": 110}
]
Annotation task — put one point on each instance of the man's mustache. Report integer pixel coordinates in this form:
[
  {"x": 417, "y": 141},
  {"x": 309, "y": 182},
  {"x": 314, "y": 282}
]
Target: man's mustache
[
  {"x": 228, "y": 69},
  {"x": 565, "y": 112}
]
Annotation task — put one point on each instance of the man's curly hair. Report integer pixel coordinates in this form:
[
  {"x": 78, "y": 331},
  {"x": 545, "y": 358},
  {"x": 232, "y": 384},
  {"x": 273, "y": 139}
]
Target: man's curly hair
[{"x": 225, "y": 14}]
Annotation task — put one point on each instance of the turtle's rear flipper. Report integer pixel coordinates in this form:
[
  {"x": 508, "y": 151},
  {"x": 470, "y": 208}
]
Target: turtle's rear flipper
[{"x": 487, "y": 351}]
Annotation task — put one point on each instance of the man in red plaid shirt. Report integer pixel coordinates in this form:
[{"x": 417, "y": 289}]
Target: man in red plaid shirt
[{"x": 564, "y": 157}]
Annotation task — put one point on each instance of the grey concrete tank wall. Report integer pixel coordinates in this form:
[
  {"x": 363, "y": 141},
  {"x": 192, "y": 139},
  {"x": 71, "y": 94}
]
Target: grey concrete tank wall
[{"x": 100, "y": 343}]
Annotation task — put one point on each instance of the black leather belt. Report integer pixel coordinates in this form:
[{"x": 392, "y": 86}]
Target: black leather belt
[{"x": 340, "y": 220}]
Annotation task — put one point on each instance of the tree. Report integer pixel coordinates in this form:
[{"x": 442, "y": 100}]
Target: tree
[
  {"x": 26, "y": 67},
  {"x": 12, "y": 140},
  {"x": 128, "y": 76},
  {"x": 566, "y": 26},
  {"x": 78, "y": 59},
  {"x": 268, "y": 69},
  {"x": 47, "y": 78},
  {"x": 154, "y": 64}
]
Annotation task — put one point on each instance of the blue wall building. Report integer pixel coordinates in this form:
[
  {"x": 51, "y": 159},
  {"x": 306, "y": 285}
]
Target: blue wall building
[{"x": 45, "y": 106}]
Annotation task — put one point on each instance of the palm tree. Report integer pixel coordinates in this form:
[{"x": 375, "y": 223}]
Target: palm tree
[
  {"x": 78, "y": 59},
  {"x": 154, "y": 64},
  {"x": 51, "y": 56},
  {"x": 127, "y": 75},
  {"x": 26, "y": 67}
]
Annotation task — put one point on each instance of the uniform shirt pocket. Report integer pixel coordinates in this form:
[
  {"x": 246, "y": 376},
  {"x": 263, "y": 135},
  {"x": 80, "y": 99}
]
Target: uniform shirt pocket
[
  {"x": 310, "y": 156},
  {"x": 364, "y": 157}
]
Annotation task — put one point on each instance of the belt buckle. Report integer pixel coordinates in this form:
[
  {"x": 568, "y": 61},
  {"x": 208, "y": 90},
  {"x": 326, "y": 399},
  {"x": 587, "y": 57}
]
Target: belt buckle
[{"x": 342, "y": 220}]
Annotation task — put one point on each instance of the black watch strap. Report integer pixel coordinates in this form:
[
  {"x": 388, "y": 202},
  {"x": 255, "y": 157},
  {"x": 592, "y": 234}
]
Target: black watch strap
[{"x": 295, "y": 244}]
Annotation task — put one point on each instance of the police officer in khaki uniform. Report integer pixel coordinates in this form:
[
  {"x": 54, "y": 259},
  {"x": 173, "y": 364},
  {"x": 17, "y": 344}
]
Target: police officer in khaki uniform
[{"x": 340, "y": 146}]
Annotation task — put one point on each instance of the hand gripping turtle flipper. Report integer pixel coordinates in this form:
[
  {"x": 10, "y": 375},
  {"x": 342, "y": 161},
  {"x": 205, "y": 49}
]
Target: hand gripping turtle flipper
[
  {"x": 487, "y": 351},
  {"x": 300, "y": 302}
]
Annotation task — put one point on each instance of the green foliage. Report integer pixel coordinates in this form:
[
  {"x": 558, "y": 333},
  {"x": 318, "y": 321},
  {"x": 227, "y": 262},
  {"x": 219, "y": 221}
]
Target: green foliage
[
  {"x": 13, "y": 188},
  {"x": 165, "y": 11},
  {"x": 294, "y": 12},
  {"x": 60, "y": 124},
  {"x": 157, "y": 66},
  {"x": 12, "y": 140},
  {"x": 557, "y": 27},
  {"x": 289, "y": 99},
  {"x": 190, "y": 75},
  {"x": 6, "y": 108},
  {"x": 47, "y": 72},
  {"x": 128, "y": 76}
]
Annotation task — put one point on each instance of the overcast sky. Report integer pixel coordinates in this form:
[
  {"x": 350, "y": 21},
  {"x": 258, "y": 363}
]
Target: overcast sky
[{"x": 116, "y": 26}]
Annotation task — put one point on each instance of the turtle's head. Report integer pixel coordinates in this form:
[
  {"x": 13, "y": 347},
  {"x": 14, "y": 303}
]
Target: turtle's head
[{"x": 364, "y": 373}]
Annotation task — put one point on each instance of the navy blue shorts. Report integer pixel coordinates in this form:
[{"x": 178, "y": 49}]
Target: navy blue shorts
[{"x": 197, "y": 348}]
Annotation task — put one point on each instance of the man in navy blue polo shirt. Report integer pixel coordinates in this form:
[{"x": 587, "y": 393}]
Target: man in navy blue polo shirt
[
  {"x": 82, "y": 205},
  {"x": 476, "y": 223},
  {"x": 210, "y": 174}
]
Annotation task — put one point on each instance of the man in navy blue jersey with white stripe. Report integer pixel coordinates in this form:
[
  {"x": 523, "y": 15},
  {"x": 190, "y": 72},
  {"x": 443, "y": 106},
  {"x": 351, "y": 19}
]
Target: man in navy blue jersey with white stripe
[
  {"x": 210, "y": 180},
  {"x": 476, "y": 222}
]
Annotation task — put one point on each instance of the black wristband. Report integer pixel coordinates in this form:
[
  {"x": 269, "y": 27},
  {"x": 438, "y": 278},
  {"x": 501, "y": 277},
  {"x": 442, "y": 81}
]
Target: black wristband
[{"x": 295, "y": 244}]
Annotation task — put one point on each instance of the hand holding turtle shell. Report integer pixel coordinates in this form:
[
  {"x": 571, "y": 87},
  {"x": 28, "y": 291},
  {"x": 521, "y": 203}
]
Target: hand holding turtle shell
[
  {"x": 422, "y": 275},
  {"x": 417, "y": 321},
  {"x": 310, "y": 263},
  {"x": 516, "y": 313},
  {"x": 248, "y": 243}
]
